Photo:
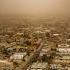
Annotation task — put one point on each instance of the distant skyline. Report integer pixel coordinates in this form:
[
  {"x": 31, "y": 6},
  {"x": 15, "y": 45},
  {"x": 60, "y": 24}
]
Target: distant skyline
[{"x": 33, "y": 7}]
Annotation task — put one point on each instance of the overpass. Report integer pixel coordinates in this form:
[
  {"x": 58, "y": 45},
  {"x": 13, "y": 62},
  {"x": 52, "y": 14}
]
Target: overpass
[{"x": 34, "y": 55}]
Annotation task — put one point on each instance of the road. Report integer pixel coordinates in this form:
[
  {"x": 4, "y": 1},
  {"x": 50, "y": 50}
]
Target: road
[{"x": 34, "y": 55}]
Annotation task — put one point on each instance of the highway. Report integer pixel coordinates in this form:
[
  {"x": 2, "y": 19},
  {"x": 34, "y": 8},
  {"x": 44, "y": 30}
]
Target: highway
[{"x": 34, "y": 55}]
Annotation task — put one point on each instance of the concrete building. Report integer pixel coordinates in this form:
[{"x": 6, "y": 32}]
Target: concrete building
[
  {"x": 18, "y": 56},
  {"x": 63, "y": 52},
  {"x": 38, "y": 66}
]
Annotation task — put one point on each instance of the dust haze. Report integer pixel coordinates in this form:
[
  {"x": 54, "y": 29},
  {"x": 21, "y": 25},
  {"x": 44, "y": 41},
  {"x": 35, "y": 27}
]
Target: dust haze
[
  {"x": 35, "y": 7},
  {"x": 34, "y": 34}
]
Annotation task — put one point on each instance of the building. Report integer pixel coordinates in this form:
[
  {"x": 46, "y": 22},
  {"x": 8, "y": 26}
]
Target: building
[
  {"x": 18, "y": 56},
  {"x": 63, "y": 52},
  {"x": 38, "y": 66}
]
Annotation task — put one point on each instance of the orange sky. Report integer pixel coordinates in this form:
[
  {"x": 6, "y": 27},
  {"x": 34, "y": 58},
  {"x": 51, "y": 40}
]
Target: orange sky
[{"x": 34, "y": 6}]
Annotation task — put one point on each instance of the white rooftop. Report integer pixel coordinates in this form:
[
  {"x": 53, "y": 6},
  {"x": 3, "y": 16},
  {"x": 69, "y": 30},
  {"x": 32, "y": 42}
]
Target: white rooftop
[
  {"x": 18, "y": 56},
  {"x": 63, "y": 45},
  {"x": 56, "y": 34},
  {"x": 65, "y": 50},
  {"x": 39, "y": 65}
]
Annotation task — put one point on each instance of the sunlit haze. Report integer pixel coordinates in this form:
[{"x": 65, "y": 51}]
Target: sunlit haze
[{"x": 35, "y": 7}]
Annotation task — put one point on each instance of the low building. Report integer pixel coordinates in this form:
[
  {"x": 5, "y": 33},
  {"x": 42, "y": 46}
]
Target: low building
[
  {"x": 38, "y": 66},
  {"x": 18, "y": 56},
  {"x": 63, "y": 45},
  {"x": 63, "y": 50}
]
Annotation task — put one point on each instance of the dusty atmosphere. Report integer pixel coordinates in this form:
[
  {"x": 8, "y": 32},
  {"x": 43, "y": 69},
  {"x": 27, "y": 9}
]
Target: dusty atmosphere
[{"x": 34, "y": 34}]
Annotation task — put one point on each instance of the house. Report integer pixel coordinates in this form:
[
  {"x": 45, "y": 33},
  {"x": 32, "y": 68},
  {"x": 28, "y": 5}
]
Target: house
[
  {"x": 18, "y": 56},
  {"x": 38, "y": 66}
]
